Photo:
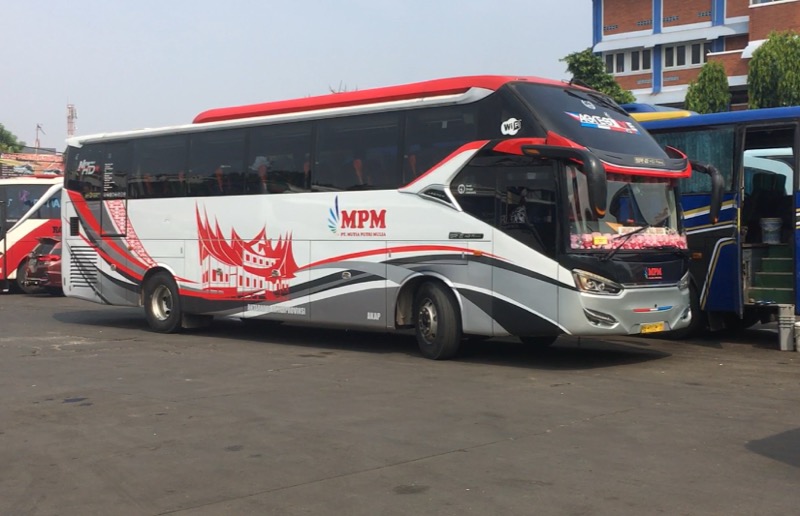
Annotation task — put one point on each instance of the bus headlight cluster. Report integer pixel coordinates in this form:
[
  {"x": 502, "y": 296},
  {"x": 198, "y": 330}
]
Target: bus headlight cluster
[
  {"x": 683, "y": 284},
  {"x": 594, "y": 284}
]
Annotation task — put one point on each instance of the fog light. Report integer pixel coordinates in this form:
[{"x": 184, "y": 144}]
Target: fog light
[{"x": 599, "y": 318}]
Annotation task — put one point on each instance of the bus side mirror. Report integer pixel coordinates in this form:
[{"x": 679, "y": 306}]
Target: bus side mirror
[
  {"x": 717, "y": 188},
  {"x": 593, "y": 169}
]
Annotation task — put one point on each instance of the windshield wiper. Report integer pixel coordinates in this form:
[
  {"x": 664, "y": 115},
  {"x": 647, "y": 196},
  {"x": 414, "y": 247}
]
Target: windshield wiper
[{"x": 624, "y": 238}]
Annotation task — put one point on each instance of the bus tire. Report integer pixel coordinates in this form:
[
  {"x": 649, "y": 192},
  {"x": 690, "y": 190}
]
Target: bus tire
[
  {"x": 539, "y": 342},
  {"x": 22, "y": 277},
  {"x": 162, "y": 303},
  {"x": 437, "y": 322}
]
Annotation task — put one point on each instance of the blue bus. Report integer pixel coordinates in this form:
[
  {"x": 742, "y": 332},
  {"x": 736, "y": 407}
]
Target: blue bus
[{"x": 745, "y": 267}]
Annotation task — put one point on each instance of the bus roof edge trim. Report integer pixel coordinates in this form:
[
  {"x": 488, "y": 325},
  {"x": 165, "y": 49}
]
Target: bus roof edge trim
[{"x": 434, "y": 88}]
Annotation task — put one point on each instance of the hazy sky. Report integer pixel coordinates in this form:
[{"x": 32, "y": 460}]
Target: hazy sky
[{"x": 150, "y": 63}]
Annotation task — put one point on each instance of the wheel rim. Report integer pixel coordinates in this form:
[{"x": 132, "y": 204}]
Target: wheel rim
[
  {"x": 428, "y": 320},
  {"x": 161, "y": 303}
]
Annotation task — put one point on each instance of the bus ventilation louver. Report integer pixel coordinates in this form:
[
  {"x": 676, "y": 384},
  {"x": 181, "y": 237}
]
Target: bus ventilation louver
[
  {"x": 74, "y": 226},
  {"x": 83, "y": 266}
]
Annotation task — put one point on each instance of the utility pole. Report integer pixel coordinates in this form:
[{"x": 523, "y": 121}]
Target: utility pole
[{"x": 37, "y": 143}]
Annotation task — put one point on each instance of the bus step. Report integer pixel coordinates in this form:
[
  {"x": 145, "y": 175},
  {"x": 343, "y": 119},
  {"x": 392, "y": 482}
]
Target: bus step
[
  {"x": 774, "y": 295},
  {"x": 773, "y": 279},
  {"x": 777, "y": 265}
]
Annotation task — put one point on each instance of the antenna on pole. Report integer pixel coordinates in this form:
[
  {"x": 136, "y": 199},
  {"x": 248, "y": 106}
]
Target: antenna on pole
[{"x": 72, "y": 115}]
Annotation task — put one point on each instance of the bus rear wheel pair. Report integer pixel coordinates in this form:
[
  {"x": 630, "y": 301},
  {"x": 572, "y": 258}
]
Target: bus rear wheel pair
[{"x": 438, "y": 322}]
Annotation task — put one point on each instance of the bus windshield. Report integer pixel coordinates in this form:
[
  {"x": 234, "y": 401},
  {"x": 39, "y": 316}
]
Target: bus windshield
[
  {"x": 587, "y": 117},
  {"x": 642, "y": 214}
]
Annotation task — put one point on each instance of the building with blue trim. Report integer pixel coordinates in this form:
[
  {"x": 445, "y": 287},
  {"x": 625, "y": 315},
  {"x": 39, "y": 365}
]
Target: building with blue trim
[{"x": 655, "y": 48}]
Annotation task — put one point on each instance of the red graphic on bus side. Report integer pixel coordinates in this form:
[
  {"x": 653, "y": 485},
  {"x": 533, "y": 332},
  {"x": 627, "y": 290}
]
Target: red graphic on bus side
[{"x": 257, "y": 268}]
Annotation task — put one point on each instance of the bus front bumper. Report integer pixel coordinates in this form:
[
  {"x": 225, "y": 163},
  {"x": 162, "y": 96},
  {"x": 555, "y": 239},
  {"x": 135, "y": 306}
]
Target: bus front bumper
[{"x": 634, "y": 311}]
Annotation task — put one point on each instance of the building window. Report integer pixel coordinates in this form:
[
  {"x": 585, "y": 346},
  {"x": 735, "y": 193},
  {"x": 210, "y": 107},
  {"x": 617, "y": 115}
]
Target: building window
[
  {"x": 756, "y": 2},
  {"x": 690, "y": 54},
  {"x": 668, "y": 19},
  {"x": 680, "y": 55},
  {"x": 632, "y": 61},
  {"x": 669, "y": 57}
]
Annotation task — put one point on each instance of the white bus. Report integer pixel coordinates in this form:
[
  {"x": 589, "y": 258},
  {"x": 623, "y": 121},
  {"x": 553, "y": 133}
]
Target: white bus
[
  {"x": 30, "y": 208},
  {"x": 473, "y": 206}
]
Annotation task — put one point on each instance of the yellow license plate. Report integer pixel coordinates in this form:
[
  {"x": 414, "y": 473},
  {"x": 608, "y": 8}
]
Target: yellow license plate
[{"x": 652, "y": 327}]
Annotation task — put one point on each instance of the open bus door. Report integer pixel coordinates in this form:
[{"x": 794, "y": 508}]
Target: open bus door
[{"x": 768, "y": 186}]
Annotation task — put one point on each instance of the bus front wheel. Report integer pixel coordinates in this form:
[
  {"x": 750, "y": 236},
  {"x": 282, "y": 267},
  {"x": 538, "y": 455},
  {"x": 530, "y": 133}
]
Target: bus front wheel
[
  {"x": 162, "y": 304},
  {"x": 438, "y": 326}
]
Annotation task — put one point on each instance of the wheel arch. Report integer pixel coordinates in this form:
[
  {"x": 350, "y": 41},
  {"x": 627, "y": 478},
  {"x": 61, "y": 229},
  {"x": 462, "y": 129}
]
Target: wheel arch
[
  {"x": 149, "y": 274},
  {"x": 404, "y": 300}
]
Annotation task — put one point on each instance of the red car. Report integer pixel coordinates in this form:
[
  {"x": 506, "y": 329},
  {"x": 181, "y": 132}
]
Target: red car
[{"x": 43, "y": 271}]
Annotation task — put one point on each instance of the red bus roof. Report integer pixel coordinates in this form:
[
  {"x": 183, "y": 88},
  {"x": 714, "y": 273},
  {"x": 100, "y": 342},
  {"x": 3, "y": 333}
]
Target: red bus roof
[{"x": 438, "y": 87}]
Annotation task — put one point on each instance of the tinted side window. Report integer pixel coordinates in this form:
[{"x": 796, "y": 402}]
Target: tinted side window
[
  {"x": 84, "y": 166},
  {"x": 357, "y": 153},
  {"x": 20, "y": 198},
  {"x": 159, "y": 166},
  {"x": 279, "y": 159},
  {"x": 432, "y": 134},
  {"x": 51, "y": 209},
  {"x": 476, "y": 190},
  {"x": 714, "y": 146},
  {"x": 216, "y": 163},
  {"x": 99, "y": 170},
  {"x": 517, "y": 196}
]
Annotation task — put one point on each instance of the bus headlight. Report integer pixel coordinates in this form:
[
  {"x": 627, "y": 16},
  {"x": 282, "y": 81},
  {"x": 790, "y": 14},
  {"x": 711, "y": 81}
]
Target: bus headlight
[
  {"x": 594, "y": 284},
  {"x": 683, "y": 284}
]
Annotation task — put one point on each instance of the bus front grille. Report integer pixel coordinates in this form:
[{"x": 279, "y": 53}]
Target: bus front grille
[{"x": 83, "y": 266}]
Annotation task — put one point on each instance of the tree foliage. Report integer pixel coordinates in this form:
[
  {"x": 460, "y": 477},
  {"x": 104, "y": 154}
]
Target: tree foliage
[
  {"x": 9, "y": 142},
  {"x": 589, "y": 69},
  {"x": 774, "y": 76},
  {"x": 710, "y": 93}
]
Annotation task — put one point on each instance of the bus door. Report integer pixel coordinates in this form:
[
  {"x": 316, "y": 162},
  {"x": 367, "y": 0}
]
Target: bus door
[
  {"x": 768, "y": 183},
  {"x": 518, "y": 196}
]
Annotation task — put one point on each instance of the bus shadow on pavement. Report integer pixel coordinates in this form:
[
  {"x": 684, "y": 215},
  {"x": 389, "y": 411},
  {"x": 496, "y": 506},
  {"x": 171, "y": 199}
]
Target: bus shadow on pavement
[
  {"x": 783, "y": 447},
  {"x": 125, "y": 318},
  {"x": 762, "y": 336},
  {"x": 565, "y": 353}
]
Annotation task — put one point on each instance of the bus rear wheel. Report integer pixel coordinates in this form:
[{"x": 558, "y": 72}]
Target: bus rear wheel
[
  {"x": 438, "y": 326},
  {"x": 162, "y": 303}
]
